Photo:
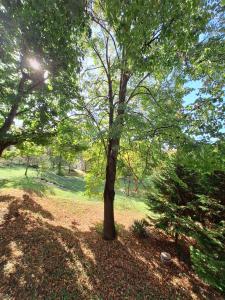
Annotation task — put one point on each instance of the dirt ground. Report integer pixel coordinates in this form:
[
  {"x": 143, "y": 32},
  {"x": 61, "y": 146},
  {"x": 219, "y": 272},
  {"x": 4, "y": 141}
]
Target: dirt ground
[{"x": 50, "y": 250}]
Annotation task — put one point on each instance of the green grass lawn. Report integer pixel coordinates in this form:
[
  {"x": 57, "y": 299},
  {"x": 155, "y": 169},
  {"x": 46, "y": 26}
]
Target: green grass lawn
[{"x": 62, "y": 187}]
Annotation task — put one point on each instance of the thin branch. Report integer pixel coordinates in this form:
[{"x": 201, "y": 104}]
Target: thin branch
[
  {"x": 97, "y": 125},
  {"x": 157, "y": 34},
  {"x": 142, "y": 115},
  {"x": 94, "y": 68},
  {"x": 137, "y": 86},
  {"x": 98, "y": 21},
  {"x": 100, "y": 58},
  {"x": 148, "y": 93},
  {"x": 22, "y": 111}
]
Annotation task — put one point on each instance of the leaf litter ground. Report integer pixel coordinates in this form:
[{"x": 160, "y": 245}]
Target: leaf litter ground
[{"x": 50, "y": 250}]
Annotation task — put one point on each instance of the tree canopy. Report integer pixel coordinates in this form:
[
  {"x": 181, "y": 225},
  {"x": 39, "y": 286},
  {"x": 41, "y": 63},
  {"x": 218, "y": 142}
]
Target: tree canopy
[{"x": 39, "y": 50}]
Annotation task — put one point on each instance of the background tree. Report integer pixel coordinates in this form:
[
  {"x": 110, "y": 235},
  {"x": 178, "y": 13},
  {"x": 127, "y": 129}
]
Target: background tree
[
  {"x": 11, "y": 154},
  {"x": 38, "y": 50},
  {"x": 66, "y": 145},
  {"x": 31, "y": 152}
]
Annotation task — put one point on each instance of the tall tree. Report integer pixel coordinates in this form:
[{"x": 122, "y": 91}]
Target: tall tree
[{"x": 138, "y": 48}]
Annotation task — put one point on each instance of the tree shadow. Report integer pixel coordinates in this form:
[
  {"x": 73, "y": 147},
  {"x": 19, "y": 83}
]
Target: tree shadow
[
  {"x": 31, "y": 205},
  {"x": 4, "y": 182},
  {"x": 41, "y": 260},
  {"x": 124, "y": 269},
  {"x": 6, "y": 198},
  {"x": 28, "y": 184},
  {"x": 38, "y": 260},
  {"x": 69, "y": 183}
]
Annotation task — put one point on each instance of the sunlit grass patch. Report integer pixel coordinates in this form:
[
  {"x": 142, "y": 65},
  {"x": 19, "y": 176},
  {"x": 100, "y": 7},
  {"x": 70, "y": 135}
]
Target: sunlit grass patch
[{"x": 63, "y": 189}]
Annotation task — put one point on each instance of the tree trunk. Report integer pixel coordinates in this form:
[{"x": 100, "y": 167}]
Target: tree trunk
[
  {"x": 14, "y": 108},
  {"x": 27, "y": 166},
  {"x": 6, "y": 144},
  {"x": 60, "y": 166},
  {"x": 128, "y": 187},
  {"x": 70, "y": 169},
  {"x": 135, "y": 184},
  {"x": 11, "y": 116},
  {"x": 115, "y": 126},
  {"x": 1, "y": 150},
  {"x": 109, "y": 191},
  {"x": 176, "y": 239}
]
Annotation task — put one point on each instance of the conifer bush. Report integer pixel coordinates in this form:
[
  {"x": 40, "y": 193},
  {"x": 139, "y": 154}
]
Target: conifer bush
[{"x": 190, "y": 205}]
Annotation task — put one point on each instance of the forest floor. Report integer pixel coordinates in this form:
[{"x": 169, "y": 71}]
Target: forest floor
[{"x": 50, "y": 249}]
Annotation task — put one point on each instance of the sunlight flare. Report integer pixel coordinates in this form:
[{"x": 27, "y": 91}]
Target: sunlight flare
[{"x": 34, "y": 63}]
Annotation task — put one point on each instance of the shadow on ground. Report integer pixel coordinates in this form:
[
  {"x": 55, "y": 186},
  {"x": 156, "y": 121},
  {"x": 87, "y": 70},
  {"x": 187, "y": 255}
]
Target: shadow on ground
[
  {"x": 69, "y": 183},
  {"x": 42, "y": 260},
  {"x": 29, "y": 184}
]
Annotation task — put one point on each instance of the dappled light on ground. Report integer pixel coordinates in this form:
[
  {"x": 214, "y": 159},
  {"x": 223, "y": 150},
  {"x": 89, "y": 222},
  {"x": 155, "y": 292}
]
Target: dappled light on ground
[
  {"x": 43, "y": 258},
  {"x": 30, "y": 185},
  {"x": 66, "y": 188}
]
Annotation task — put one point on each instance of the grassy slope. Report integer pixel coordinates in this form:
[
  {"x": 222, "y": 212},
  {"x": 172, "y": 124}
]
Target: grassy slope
[{"x": 67, "y": 188}]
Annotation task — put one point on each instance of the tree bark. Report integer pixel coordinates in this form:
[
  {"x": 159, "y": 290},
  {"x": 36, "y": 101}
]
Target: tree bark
[
  {"x": 60, "y": 165},
  {"x": 135, "y": 184},
  {"x": 109, "y": 191},
  {"x": 128, "y": 187},
  {"x": 27, "y": 166},
  {"x": 69, "y": 170},
  {"x": 1, "y": 150},
  {"x": 176, "y": 239},
  {"x": 115, "y": 129},
  {"x": 5, "y": 144},
  {"x": 11, "y": 116},
  {"x": 14, "y": 108}
]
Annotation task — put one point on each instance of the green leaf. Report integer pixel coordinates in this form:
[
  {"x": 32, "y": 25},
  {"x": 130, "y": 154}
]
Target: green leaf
[{"x": 50, "y": 87}]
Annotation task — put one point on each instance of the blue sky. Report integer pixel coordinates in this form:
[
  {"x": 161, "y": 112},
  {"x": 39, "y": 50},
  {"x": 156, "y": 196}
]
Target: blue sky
[{"x": 191, "y": 97}]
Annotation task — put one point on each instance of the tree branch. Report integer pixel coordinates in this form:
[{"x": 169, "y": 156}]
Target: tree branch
[
  {"x": 100, "y": 58},
  {"x": 137, "y": 86},
  {"x": 98, "y": 21}
]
